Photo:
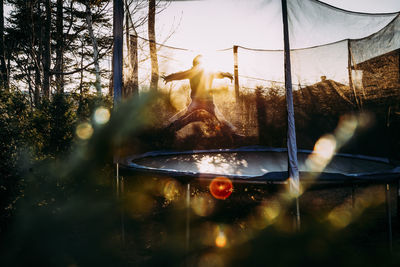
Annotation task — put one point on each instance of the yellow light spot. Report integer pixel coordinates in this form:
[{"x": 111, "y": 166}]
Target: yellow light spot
[
  {"x": 340, "y": 218},
  {"x": 346, "y": 128},
  {"x": 171, "y": 190},
  {"x": 101, "y": 115},
  {"x": 271, "y": 212},
  {"x": 203, "y": 204},
  {"x": 220, "y": 241},
  {"x": 324, "y": 150},
  {"x": 325, "y": 146},
  {"x": 84, "y": 131}
]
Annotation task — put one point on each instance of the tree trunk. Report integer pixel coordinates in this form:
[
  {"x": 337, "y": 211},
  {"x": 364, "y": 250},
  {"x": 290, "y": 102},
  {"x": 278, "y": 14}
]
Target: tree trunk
[
  {"x": 153, "y": 47},
  {"x": 37, "y": 40},
  {"x": 95, "y": 47},
  {"x": 127, "y": 89},
  {"x": 60, "y": 47},
  {"x": 132, "y": 85},
  {"x": 3, "y": 66},
  {"x": 134, "y": 61},
  {"x": 47, "y": 51}
]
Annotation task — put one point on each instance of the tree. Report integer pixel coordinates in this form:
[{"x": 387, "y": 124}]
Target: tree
[
  {"x": 59, "y": 67},
  {"x": 51, "y": 38},
  {"x": 3, "y": 66},
  {"x": 47, "y": 50},
  {"x": 131, "y": 85},
  {"x": 153, "y": 46},
  {"x": 95, "y": 47}
]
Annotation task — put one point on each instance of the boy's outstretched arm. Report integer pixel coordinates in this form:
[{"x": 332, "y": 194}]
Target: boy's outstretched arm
[
  {"x": 177, "y": 76},
  {"x": 221, "y": 75}
]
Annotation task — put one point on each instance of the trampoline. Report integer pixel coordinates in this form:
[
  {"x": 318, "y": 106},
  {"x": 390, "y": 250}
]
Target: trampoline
[
  {"x": 268, "y": 166},
  {"x": 260, "y": 165},
  {"x": 326, "y": 80}
]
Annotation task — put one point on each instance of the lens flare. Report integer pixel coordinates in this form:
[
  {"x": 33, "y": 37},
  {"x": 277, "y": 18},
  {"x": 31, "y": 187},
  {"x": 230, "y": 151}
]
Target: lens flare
[
  {"x": 101, "y": 115},
  {"x": 221, "y": 187},
  {"x": 325, "y": 147},
  {"x": 203, "y": 204},
  {"x": 171, "y": 190},
  {"x": 84, "y": 131},
  {"x": 220, "y": 241},
  {"x": 324, "y": 150}
]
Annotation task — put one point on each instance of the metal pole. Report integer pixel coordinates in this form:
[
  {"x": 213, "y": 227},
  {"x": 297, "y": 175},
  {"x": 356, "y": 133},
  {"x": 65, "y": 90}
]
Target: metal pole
[
  {"x": 117, "y": 180},
  {"x": 389, "y": 217},
  {"x": 122, "y": 213},
  {"x": 118, "y": 29},
  {"x": 187, "y": 234},
  {"x": 187, "y": 217},
  {"x": 293, "y": 171},
  {"x": 119, "y": 186},
  {"x": 349, "y": 63},
  {"x": 291, "y": 131},
  {"x": 353, "y": 199},
  {"x": 236, "y": 70},
  {"x": 398, "y": 200},
  {"x": 298, "y": 220}
]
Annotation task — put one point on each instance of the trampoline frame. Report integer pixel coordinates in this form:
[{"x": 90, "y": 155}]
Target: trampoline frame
[{"x": 127, "y": 165}]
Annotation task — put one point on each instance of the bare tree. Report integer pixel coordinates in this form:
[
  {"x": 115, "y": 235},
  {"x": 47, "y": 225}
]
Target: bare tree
[
  {"x": 47, "y": 50},
  {"x": 59, "y": 67},
  {"x": 153, "y": 46},
  {"x": 131, "y": 85},
  {"x": 95, "y": 47},
  {"x": 3, "y": 66}
]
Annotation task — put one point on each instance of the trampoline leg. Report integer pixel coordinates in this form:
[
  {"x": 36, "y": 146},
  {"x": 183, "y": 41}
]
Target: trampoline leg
[
  {"x": 389, "y": 217},
  {"x": 187, "y": 217},
  {"x": 398, "y": 200},
  {"x": 119, "y": 186},
  {"x": 117, "y": 180},
  {"x": 353, "y": 199},
  {"x": 122, "y": 212},
  {"x": 298, "y": 220}
]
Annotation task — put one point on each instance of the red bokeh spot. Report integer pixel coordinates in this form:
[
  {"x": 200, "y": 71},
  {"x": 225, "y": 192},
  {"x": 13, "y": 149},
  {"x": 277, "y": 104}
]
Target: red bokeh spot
[{"x": 221, "y": 187}]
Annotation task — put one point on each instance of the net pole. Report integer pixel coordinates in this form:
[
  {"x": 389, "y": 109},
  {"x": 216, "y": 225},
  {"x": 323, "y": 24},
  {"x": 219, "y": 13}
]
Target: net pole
[
  {"x": 118, "y": 31},
  {"x": 187, "y": 241},
  {"x": 236, "y": 70},
  {"x": 118, "y": 24},
  {"x": 293, "y": 170},
  {"x": 389, "y": 217}
]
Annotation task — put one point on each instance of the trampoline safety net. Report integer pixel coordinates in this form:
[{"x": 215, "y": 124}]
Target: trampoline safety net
[{"x": 345, "y": 69}]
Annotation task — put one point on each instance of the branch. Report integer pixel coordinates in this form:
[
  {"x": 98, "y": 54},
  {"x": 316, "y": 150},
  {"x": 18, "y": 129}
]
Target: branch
[{"x": 73, "y": 71}]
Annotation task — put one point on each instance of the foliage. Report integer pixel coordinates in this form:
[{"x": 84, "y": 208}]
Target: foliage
[
  {"x": 14, "y": 137},
  {"x": 31, "y": 135}
]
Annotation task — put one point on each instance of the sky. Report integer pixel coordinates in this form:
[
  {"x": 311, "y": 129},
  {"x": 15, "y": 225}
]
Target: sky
[
  {"x": 209, "y": 25},
  {"x": 218, "y": 24}
]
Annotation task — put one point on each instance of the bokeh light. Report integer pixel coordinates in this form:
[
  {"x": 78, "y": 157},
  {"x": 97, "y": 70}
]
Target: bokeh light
[
  {"x": 220, "y": 240},
  {"x": 171, "y": 190},
  {"x": 221, "y": 187},
  {"x": 101, "y": 115},
  {"x": 84, "y": 130},
  {"x": 203, "y": 204},
  {"x": 324, "y": 150}
]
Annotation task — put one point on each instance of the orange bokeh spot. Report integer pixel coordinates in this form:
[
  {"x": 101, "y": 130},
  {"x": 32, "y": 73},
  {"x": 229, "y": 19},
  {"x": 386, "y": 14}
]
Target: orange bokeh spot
[{"x": 221, "y": 187}]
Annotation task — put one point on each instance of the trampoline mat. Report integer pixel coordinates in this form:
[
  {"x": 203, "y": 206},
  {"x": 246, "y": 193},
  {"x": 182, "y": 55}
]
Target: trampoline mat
[{"x": 257, "y": 163}]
